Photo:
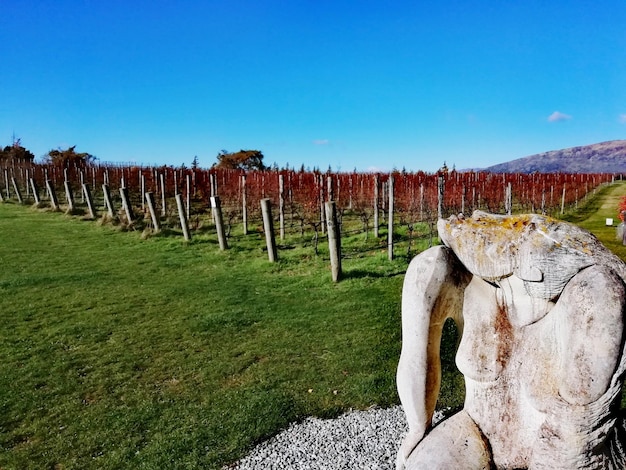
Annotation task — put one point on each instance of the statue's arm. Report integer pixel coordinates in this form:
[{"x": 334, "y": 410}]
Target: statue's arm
[
  {"x": 432, "y": 292},
  {"x": 591, "y": 340}
]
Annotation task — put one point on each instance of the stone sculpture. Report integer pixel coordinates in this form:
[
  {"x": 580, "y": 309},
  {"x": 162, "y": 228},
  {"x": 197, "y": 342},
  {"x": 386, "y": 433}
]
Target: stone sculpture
[{"x": 540, "y": 305}]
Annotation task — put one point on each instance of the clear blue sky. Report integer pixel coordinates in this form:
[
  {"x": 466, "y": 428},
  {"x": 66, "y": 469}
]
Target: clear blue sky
[{"x": 351, "y": 84}]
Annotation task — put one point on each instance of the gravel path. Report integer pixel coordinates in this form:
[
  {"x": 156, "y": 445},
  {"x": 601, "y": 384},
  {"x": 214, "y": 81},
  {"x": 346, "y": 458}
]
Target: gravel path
[{"x": 358, "y": 439}]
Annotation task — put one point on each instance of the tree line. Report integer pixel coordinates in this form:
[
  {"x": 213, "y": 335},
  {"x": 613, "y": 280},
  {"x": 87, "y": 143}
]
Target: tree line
[
  {"x": 246, "y": 160},
  {"x": 60, "y": 157}
]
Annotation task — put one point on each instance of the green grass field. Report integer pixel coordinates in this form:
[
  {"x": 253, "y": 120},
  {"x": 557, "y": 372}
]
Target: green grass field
[
  {"x": 592, "y": 216},
  {"x": 118, "y": 352}
]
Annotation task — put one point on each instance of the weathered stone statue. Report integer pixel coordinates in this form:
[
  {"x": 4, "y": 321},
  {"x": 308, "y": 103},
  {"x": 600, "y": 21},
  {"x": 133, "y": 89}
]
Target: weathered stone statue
[{"x": 541, "y": 307}]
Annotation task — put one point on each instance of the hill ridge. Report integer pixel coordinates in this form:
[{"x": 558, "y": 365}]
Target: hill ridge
[{"x": 603, "y": 157}]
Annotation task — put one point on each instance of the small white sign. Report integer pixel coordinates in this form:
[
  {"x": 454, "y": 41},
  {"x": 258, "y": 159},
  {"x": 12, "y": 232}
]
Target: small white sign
[{"x": 609, "y": 222}]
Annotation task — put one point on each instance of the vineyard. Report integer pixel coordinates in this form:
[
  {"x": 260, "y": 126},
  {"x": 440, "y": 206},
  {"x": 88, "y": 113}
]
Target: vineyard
[
  {"x": 364, "y": 201},
  {"x": 125, "y": 353}
]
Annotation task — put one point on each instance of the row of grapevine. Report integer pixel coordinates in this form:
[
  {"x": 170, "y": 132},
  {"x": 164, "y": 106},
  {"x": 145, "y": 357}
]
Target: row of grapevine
[{"x": 302, "y": 194}]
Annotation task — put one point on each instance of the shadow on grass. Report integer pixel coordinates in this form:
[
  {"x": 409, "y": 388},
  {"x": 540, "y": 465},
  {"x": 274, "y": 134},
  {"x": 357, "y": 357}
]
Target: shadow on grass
[{"x": 363, "y": 274}]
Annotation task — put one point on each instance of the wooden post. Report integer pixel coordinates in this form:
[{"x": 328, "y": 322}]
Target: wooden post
[
  {"x": 244, "y": 204},
  {"x": 6, "y": 183},
  {"x": 54, "y": 202},
  {"x": 108, "y": 202},
  {"x": 440, "y": 190},
  {"x": 69, "y": 196},
  {"x": 421, "y": 201},
  {"x": 27, "y": 183},
  {"x": 219, "y": 223},
  {"x": 508, "y": 203},
  {"x": 330, "y": 194},
  {"x": 18, "y": 194},
  {"x": 213, "y": 184},
  {"x": 126, "y": 205},
  {"x": 213, "y": 188},
  {"x": 473, "y": 198},
  {"x": 89, "y": 200},
  {"x": 390, "y": 225},
  {"x": 463, "y": 199},
  {"x": 33, "y": 186},
  {"x": 153, "y": 214},
  {"x": 188, "y": 185},
  {"x": 334, "y": 240},
  {"x": 281, "y": 205},
  {"x": 350, "y": 189},
  {"x": 163, "y": 206},
  {"x": 290, "y": 197},
  {"x": 142, "y": 184},
  {"x": 563, "y": 201},
  {"x": 268, "y": 227},
  {"x": 82, "y": 181},
  {"x": 322, "y": 210},
  {"x": 376, "y": 199},
  {"x": 183, "y": 218},
  {"x": 337, "y": 191}
]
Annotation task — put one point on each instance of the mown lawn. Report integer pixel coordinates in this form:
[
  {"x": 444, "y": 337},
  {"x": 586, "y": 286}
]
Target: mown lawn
[
  {"x": 592, "y": 216},
  {"x": 118, "y": 352},
  {"x": 123, "y": 352}
]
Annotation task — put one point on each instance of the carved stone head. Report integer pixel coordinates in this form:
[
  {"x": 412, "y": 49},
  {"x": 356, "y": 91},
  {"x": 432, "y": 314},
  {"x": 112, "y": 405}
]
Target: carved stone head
[{"x": 544, "y": 252}]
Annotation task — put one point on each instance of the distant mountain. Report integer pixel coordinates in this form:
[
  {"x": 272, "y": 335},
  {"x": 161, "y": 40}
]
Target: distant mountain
[{"x": 605, "y": 157}]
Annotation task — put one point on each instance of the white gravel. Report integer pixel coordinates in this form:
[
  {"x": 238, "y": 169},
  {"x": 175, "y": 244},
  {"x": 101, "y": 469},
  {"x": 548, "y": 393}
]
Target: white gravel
[{"x": 358, "y": 439}]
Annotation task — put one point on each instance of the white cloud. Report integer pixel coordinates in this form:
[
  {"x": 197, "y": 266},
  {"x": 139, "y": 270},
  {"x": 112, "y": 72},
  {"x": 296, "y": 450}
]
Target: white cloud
[
  {"x": 622, "y": 118},
  {"x": 558, "y": 116},
  {"x": 321, "y": 142}
]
